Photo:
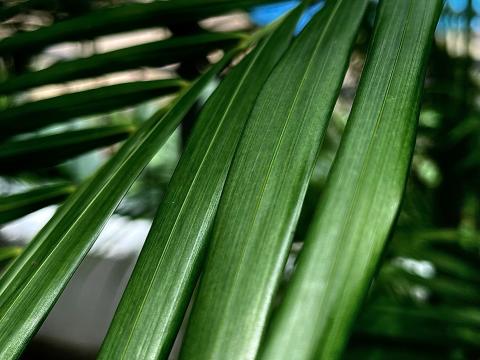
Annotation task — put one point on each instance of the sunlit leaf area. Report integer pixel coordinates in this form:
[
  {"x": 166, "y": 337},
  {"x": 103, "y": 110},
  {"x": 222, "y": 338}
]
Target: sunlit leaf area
[{"x": 239, "y": 179}]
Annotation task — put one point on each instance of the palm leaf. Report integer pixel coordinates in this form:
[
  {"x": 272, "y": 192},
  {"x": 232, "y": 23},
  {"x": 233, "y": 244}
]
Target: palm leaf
[
  {"x": 37, "y": 114},
  {"x": 156, "y": 53},
  {"x": 34, "y": 281},
  {"x": 169, "y": 262},
  {"x": 49, "y": 150},
  {"x": 438, "y": 327},
  {"x": 266, "y": 185},
  {"x": 363, "y": 192},
  {"x": 119, "y": 19},
  {"x": 18, "y": 205}
]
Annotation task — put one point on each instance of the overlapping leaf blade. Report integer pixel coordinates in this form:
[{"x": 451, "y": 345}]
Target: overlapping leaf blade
[
  {"x": 266, "y": 185},
  {"x": 21, "y": 204},
  {"x": 37, "y": 114},
  {"x": 34, "y": 281},
  {"x": 121, "y": 18},
  {"x": 167, "y": 270},
  {"x": 49, "y": 150},
  {"x": 363, "y": 192},
  {"x": 157, "y": 53}
]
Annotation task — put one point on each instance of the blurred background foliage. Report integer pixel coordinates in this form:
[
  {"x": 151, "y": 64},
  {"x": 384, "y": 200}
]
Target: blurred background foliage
[{"x": 95, "y": 87}]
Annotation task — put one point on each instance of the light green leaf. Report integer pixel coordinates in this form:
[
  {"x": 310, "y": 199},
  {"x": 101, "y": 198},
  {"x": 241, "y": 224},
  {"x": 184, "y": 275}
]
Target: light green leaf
[
  {"x": 266, "y": 185},
  {"x": 156, "y": 53},
  {"x": 34, "y": 281},
  {"x": 363, "y": 192},
  {"x": 15, "y": 206},
  {"x": 162, "y": 283}
]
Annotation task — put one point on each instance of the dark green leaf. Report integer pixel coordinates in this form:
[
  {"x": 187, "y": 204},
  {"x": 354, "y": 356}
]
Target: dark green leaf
[
  {"x": 35, "y": 115},
  {"x": 119, "y": 19},
  {"x": 48, "y": 150},
  {"x": 156, "y": 53},
  {"x": 15, "y": 206}
]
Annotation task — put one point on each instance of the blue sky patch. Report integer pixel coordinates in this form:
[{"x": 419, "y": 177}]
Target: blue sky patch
[{"x": 265, "y": 14}]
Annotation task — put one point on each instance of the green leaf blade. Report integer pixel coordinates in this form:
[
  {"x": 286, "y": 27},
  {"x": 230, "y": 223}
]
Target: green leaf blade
[
  {"x": 36, "y": 278},
  {"x": 363, "y": 192},
  {"x": 265, "y": 187},
  {"x": 158, "y": 53},
  {"x": 120, "y": 19},
  {"x": 15, "y": 206},
  {"x": 49, "y": 150},
  {"x": 170, "y": 259},
  {"x": 38, "y": 114}
]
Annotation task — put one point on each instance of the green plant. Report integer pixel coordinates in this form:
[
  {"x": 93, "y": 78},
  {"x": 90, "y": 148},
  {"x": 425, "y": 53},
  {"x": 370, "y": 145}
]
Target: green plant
[{"x": 243, "y": 189}]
